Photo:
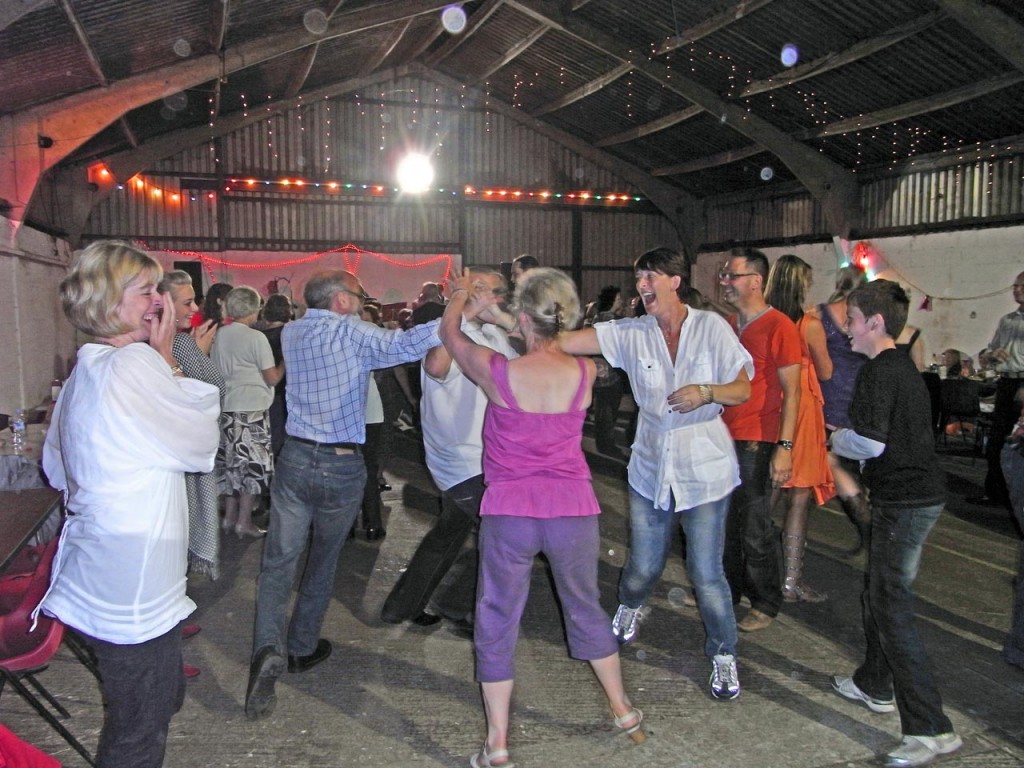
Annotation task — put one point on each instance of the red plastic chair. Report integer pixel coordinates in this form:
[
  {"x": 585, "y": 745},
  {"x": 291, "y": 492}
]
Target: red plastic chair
[{"x": 25, "y": 652}]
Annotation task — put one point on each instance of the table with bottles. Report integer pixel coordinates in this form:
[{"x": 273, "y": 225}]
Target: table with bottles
[{"x": 20, "y": 465}]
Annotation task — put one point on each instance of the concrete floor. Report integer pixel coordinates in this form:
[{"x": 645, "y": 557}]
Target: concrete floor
[{"x": 405, "y": 695}]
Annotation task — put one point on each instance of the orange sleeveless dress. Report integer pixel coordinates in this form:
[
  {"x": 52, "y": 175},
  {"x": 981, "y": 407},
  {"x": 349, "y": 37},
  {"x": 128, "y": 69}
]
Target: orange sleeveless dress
[{"x": 810, "y": 462}]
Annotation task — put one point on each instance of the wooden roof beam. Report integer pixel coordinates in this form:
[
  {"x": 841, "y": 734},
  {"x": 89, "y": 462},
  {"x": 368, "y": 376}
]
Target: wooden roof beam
[
  {"x": 859, "y": 123},
  {"x": 512, "y": 53},
  {"x": 385, "y": 48},
  {"x": 831, "y": 61},
  {"x": 13, "y": 10},
  {"x": 716, "y": 23},
  {"x": 678, "y": 206},
  {"x": 587, "y": 89},
  {"x": 914, "y": 108},
  {"x": 711, "y": 161},
  {"x": 809, "y": 69},
  {"x": 72, "y": 120},
  {"x": 69, "y": 187},
  {"x": 480, "y": 15},
  {"x": 639, "y": 131},
  {"x": 303, "y": 67},
  {"x": 94, "y": 63},
  {"x": 997, "y": 30},
  {"x": 833, "y": 186}
]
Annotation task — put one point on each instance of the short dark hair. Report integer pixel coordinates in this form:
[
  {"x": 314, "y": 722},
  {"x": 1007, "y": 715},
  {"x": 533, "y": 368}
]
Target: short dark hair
[
  {"x": 885, "y": 298},
  {"x": 526, "y": 261},
  {"x": 606, "y": 298},
  {"x": 667, "y": 262},
  {"x": 757, "y": 261},
  {"x": 278, "y": 309}
]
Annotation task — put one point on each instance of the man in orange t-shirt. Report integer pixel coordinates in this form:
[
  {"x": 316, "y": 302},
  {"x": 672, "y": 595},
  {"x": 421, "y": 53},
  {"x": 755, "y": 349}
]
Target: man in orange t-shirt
[{"x": 763, "y": 429}]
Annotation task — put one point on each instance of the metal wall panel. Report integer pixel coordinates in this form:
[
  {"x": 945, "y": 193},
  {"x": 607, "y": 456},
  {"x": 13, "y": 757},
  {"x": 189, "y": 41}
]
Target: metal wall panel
[
  {"x": 496, "y": 233},
  {"x": 769, "y": 218},
  {"x": 500, "y": 151},
  {"x": 615, "y": 239},
  {"x": 974, "y": 190}
]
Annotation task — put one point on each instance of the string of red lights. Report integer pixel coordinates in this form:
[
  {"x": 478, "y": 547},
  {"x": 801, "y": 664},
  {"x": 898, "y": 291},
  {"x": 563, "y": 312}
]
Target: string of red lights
[
  {"x": 352, "y": 256},
  {"x": 469, "y": 192}
]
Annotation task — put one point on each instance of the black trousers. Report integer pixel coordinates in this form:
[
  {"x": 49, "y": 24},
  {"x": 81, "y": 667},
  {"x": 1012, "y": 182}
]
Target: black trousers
[
  {"x": 143, "y": 686},
  {"x": 371, "y": 491},
  {"x": 434, "y": 557},
  {"x": 1004, "y": 416}
]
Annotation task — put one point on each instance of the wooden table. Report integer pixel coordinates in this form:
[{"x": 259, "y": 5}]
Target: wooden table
[{"x": 22, "y": 513}]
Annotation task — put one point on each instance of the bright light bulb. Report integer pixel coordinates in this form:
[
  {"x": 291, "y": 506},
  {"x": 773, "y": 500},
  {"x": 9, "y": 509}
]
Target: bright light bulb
[{"x": 415, "y": 173}]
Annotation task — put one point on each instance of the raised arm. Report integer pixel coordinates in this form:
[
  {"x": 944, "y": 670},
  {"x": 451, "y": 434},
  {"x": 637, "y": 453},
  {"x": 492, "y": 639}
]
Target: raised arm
[{"x": 473, "y": 359}]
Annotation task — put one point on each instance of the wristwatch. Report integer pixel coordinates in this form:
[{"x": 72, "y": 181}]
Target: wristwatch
[{"x": 786, "y": 445}]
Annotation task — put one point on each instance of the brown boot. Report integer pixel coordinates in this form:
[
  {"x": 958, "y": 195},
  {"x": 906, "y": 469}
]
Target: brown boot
[
  {"x": 858, "y": 510},
  {"x": 794, "y": 590}
]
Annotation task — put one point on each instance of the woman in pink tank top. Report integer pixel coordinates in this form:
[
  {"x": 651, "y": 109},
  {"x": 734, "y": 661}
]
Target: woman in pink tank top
[{"x": 539, "y": 499}]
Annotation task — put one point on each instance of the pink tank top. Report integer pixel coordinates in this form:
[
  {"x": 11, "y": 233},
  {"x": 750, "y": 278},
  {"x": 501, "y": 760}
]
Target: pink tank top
[{"x": 533, "y": 462}]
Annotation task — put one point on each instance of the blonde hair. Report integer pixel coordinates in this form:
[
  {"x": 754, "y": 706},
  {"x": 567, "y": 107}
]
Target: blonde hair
[
  {"x": 92, "y": 292},
  {"x": 549, "y": 298},
  {"x": 848, "y": 278}
]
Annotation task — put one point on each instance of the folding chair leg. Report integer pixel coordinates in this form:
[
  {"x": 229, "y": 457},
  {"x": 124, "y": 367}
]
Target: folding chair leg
[
  {"x": 45, "y": 694},
  {"x": 44, "y": 713},
  {"x": 82, "y": 652}
]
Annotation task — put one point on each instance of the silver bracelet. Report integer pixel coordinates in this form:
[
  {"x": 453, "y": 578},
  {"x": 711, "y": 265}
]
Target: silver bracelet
[{"x": 175, "y": 370}]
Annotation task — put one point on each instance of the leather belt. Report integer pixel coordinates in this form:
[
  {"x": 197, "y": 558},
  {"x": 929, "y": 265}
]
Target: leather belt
[{"x": 338, "y": 448}]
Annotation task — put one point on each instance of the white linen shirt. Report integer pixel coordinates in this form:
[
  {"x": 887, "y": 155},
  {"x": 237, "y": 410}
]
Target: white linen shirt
[
  {"x": 124, "y": 432},
  {"x": 452, "y": 414},
  {"x": 688, "y": 457}
]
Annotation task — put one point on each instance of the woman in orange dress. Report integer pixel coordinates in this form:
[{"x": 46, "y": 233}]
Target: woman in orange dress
[{"x": 788, "y": 283}]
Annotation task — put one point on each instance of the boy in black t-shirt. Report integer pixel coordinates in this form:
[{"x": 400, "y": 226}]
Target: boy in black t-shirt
[{"x": 891, "y": 417}]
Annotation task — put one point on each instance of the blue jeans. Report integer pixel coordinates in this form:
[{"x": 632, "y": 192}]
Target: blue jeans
[
  {"x": 751, "y": 540},
  {"x": 896, "y": 661},
  {"x": 312, "y": 486},
  {"x": 437, "y": 552},
  {"x": 650, "y": 538}
]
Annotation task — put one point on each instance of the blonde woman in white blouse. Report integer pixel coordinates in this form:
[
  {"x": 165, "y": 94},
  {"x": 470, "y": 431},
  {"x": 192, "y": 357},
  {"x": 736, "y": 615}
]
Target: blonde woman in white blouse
[{"x": 118, "y": 452}]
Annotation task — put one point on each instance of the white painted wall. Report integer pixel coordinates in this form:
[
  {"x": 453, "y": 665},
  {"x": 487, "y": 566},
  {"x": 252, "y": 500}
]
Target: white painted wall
[
  {"x": 968, "y": 274},
  {"x": 38, "y": 343}
]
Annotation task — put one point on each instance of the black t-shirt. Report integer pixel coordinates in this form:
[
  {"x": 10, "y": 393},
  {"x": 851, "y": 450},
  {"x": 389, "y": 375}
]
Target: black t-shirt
[
  {"x": 891, "y": 405},
  {"x": 424, "y": 313}
]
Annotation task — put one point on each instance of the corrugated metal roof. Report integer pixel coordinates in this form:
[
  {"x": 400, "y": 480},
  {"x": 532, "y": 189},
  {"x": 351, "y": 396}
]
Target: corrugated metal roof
[{"x": 685, "y": 51}]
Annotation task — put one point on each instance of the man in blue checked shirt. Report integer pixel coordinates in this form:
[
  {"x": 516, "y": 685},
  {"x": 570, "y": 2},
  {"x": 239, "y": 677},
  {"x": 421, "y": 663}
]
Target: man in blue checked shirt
[{"x": 320, "y": 473}]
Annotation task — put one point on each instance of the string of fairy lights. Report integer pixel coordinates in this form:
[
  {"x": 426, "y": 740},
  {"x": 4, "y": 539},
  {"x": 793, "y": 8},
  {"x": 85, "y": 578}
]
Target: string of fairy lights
[
  {"x": 524, "y": 88},
  {"x": 140, "y": 184}
]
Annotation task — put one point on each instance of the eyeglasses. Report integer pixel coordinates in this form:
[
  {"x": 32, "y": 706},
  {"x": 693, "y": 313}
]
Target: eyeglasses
[
  {"x": 363, "y": 296},
  {"x": 731, "y": 276}
]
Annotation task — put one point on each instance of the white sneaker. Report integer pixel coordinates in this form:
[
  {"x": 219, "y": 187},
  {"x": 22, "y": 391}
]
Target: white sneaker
[
  {"x": 921, "y": 750},
  {"x": 848, "y": 689},
  {"x": 626, "y": 623},
  {"x": 725, "y": 680}
]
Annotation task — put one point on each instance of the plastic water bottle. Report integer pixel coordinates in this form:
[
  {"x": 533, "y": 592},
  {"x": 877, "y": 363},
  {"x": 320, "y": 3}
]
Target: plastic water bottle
[{"x": 18, "y": 430}]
